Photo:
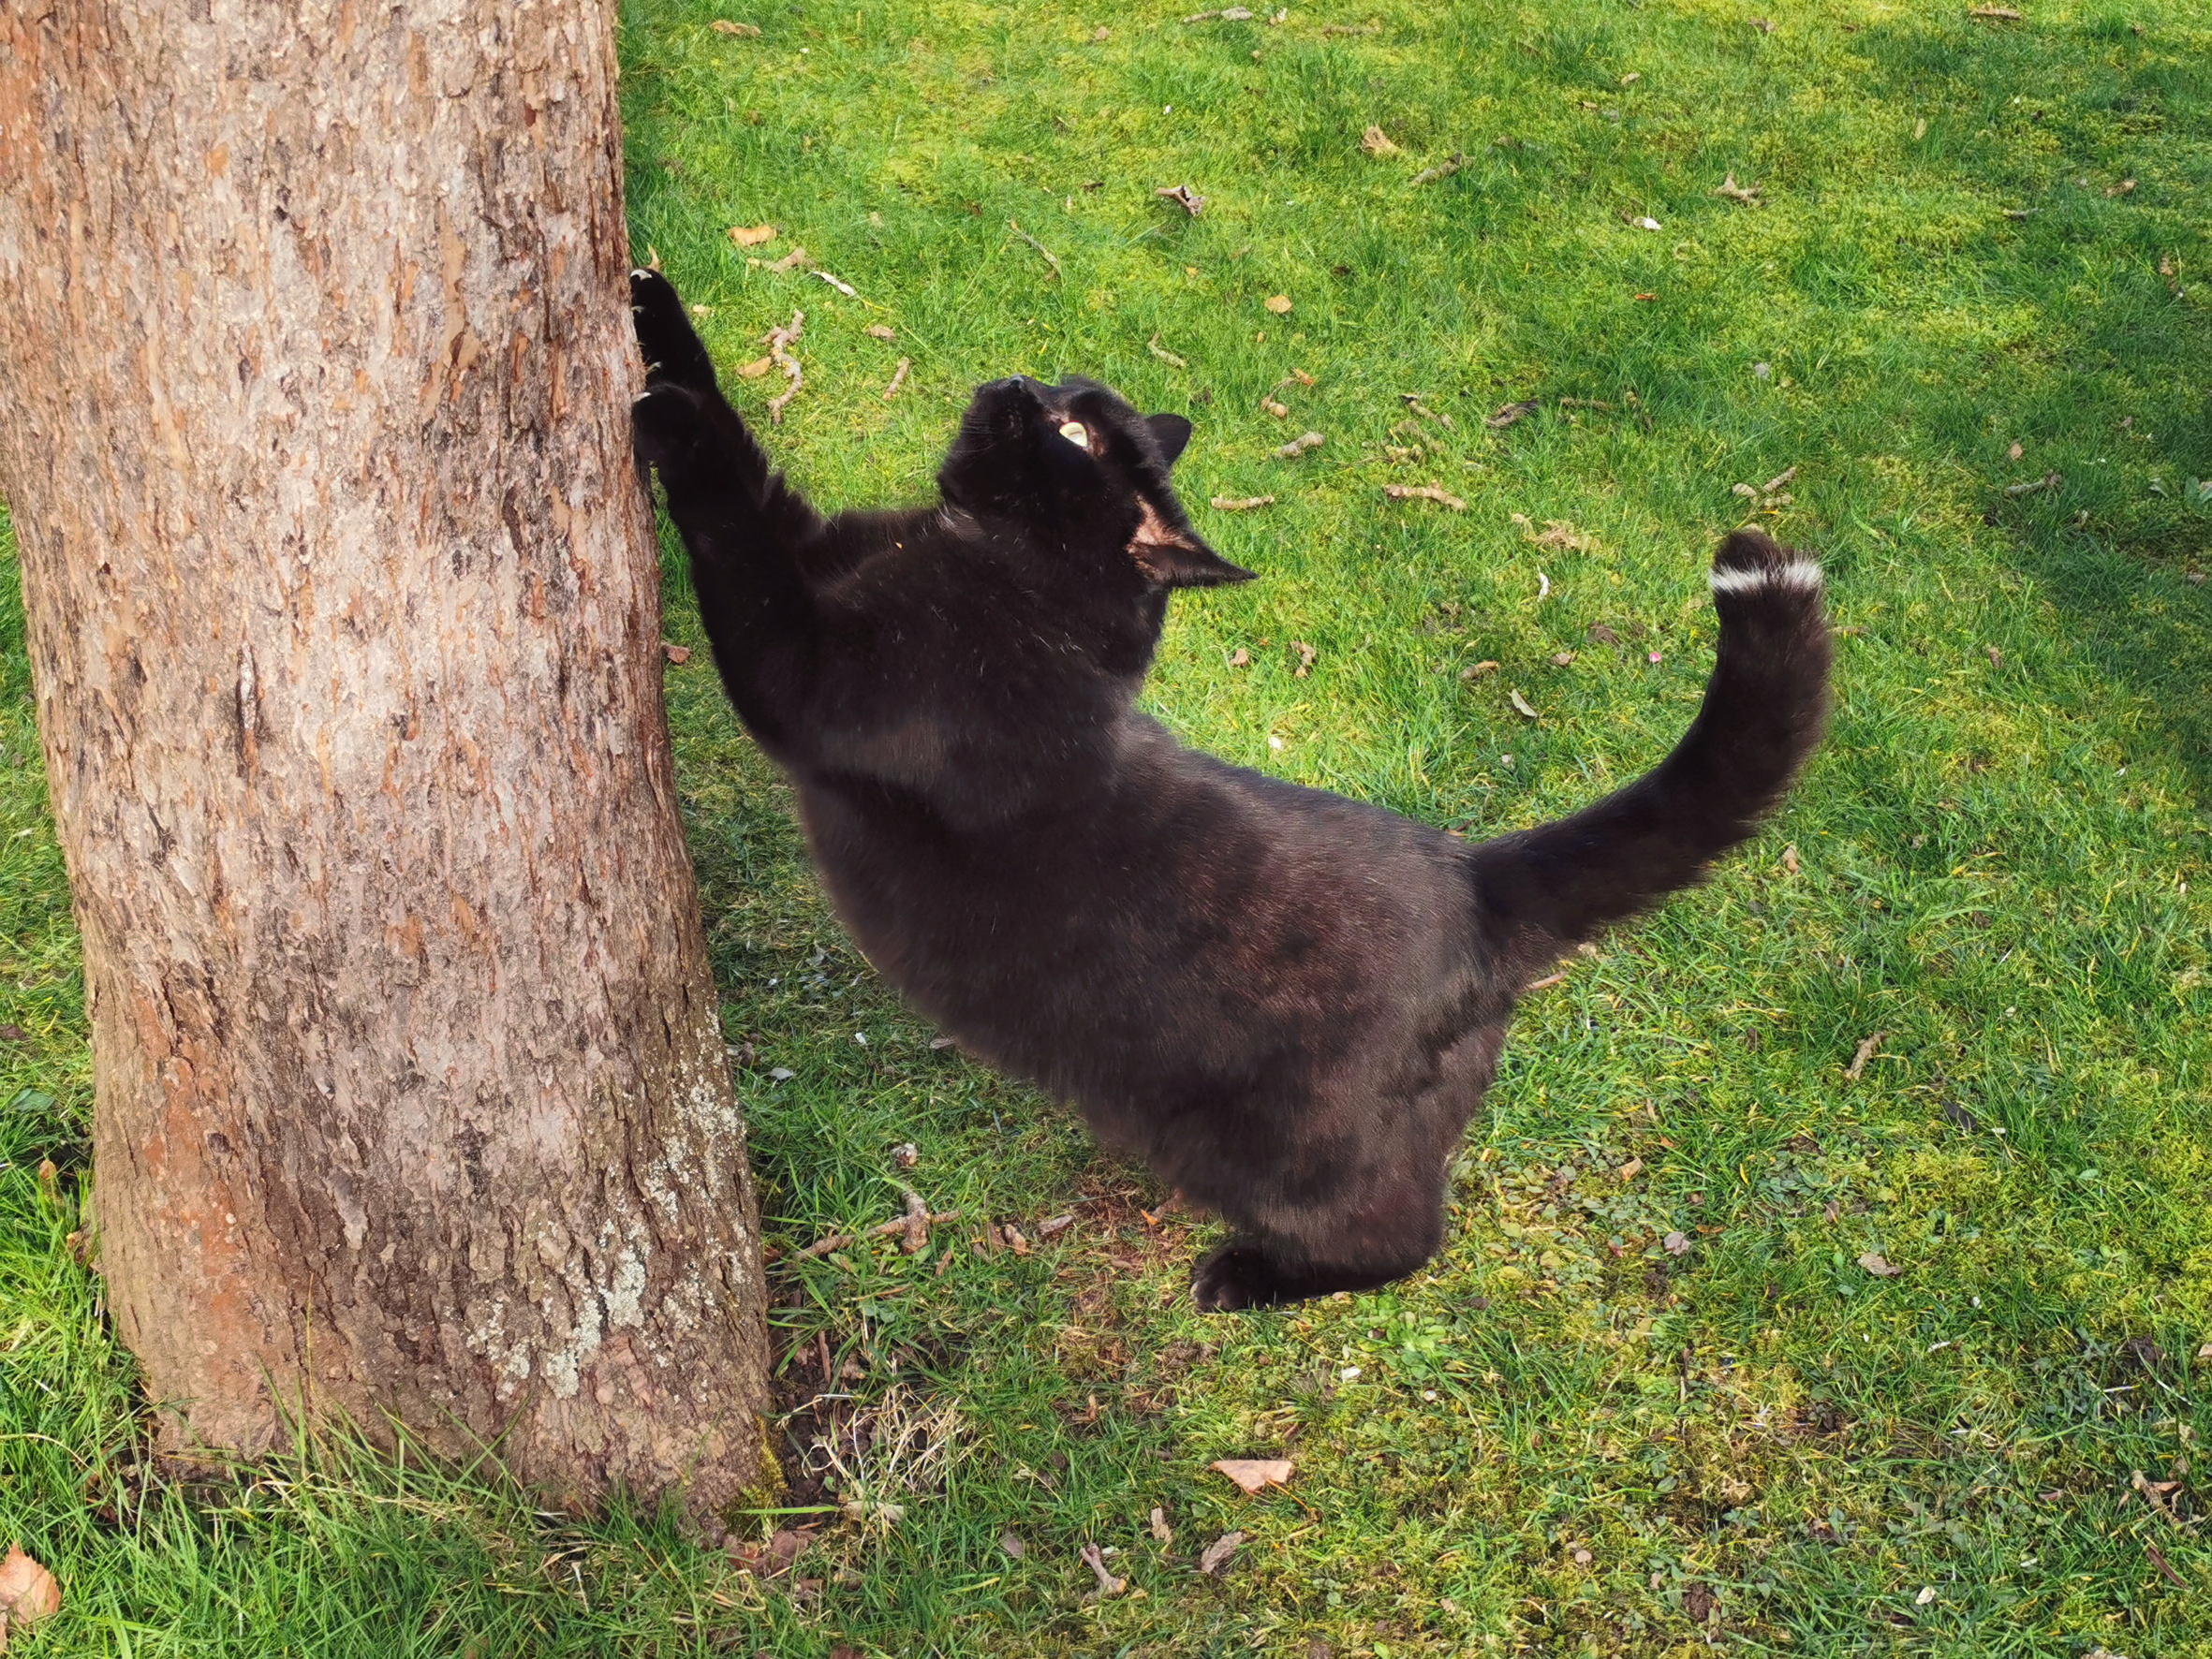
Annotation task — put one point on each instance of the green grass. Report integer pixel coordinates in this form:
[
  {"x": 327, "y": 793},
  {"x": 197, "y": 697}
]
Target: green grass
[{"x": 2002, "y": 859}]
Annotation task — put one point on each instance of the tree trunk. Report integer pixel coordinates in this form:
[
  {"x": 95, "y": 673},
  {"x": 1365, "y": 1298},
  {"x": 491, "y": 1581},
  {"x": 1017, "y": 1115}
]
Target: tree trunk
[{"x": 314, "y": 374}]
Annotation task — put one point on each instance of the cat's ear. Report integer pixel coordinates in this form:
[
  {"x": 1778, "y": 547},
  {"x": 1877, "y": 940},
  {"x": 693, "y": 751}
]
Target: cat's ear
[
  {"x": 1178, "y": 559},
  {"x": 1170, "y": 432}
]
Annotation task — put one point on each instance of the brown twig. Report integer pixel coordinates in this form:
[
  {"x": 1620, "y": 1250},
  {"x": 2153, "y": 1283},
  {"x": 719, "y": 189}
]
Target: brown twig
[
  {"x": 1050, "y": 258},
  {"x": 1423, "y": 492},
  {"x": 1866, "y": 1053},
  {"x": 899, "y": 379},
  {"x": 779, "y": 342},
  {"x": 1443, "y": 170},
  {"x": 882, "y": 1229},
  {"x": 1243, "y": 504},
  {"x": 2029, "y": 486}
]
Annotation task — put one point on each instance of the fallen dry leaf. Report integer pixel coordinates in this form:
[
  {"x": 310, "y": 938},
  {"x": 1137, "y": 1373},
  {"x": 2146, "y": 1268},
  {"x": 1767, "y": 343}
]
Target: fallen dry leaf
[
  {"x": 1674, "y": 1244},
  {"x": 1242, "y": 503},
  {"x": 2125, "y": 187},
  {"x": 674, "y": 652},
  {"x": 1559, "y": 537},
  {"x": 877, "y": 331},
  {"x": 1278, "y": 303},
  {"x": 2158, "y": 1561},
  {"x": 1762, "y": 25},
  {"x": 754, "y": 370},
  {"x": 723, "y": 25},
  {"x": 1790, "y": 858},
  {"x": 1215, "y": 1555},
  {"x": 905, "y": 1154},
  {"x": 1749, "y": 195},
  {"x": 1184, "y": 197},
  {"x": 1878, "y": 1264},
  {"x": 751, "y": 236},
  {"x": 794, "y": 261},
  {"x": 1254, "y": 1473},
  {"x": 1603, "y": 634},
  {"x": 1505, "y": 415},
  {"x": 1300, "y": 445},
  {"x": 1629, "y": 1170},
  {"x": 1561, "y": 658},
  {"x": 1012, "y": 1543},
  {"x": 1161, "y": 1530},
  {"x": 1306, "y": 655},
  {"x": 1239, "y": 657},
  {"x": 1423, "y": 492},
  {"x": 1520, "y": 703},
  {"x": 1279, "y": 410},
  {"x": 1476, "y": 671},
  {"x": 2014, "y": 453},
  {"x": 28, "y": 1593},
  {"x": 1866, "y": 1053},
  {"x": 771, "y": 1559},
  {"x": 1375, "y": 142},
  {"x": 1997, "y": 658}
]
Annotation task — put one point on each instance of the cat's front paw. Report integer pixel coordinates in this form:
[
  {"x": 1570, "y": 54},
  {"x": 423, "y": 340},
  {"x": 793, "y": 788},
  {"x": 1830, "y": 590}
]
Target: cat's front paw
[
  {"x": 666, "y": 339},
  {"x": 665, "y": 425},
  {"x": 1234, "y": 1276}
]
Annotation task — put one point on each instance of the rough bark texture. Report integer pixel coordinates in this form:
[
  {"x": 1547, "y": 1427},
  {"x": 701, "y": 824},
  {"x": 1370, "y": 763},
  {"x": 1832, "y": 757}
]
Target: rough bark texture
[{"x": 313, "y": 384}]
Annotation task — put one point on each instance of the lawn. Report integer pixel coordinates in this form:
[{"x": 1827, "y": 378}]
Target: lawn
[{"x": 1831, "y": 1270}]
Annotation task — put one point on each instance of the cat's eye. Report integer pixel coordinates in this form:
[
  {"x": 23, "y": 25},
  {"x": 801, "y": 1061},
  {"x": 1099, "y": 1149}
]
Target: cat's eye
[{"x": 1076, "y": 433}]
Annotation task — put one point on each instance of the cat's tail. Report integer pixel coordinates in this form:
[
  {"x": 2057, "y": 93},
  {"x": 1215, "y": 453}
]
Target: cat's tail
[{"x": 1544, "y": 889}]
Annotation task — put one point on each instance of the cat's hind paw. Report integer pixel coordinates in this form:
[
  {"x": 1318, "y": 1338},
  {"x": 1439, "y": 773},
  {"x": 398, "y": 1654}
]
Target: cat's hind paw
[{"x": 666, "y": 339}]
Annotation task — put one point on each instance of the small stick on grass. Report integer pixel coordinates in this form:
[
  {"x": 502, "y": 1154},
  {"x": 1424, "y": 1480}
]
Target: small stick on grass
[
  {"x": 1443, "y": 170},
  {"x": 779, "y": 342},
  {"x": 1245, "y": 504},
  {"x": 882, "y": 1229},
  {"x": 1423, "y": 492},
  {"x": 2029, "y": 486},
  {"x": 1050, "y": 258},
  {"x": 899, "y": 379},
  {"x": 1162, "y": 352},
  {"x": 1866, "y": 1053}
]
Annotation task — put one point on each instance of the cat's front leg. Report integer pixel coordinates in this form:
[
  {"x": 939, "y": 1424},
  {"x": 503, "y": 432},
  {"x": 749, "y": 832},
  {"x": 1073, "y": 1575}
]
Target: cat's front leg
[{"x": 1361, "y": 1252}]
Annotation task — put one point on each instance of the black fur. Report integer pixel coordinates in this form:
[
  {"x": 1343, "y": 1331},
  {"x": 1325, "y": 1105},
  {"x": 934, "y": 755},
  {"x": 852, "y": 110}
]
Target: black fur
[{"x": 1286, "y": 1003}]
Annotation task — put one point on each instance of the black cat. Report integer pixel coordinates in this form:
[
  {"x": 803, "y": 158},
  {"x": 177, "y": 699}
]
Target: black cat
[{"x": 1288, "y": 1004}]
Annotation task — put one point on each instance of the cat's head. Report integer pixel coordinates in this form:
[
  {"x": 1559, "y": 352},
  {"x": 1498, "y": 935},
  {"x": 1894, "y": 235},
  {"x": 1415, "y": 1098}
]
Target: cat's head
[{"x": 1072, "y": 463}]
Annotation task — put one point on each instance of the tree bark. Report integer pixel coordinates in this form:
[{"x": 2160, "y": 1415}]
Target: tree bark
[{"x": 314, "y": 373}]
